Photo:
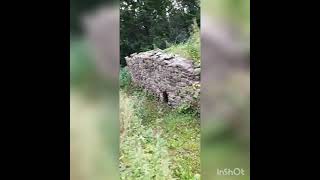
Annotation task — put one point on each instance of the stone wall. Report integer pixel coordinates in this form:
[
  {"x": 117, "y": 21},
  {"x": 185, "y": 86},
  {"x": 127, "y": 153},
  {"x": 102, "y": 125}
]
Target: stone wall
[{"x": 173, "y": 79}]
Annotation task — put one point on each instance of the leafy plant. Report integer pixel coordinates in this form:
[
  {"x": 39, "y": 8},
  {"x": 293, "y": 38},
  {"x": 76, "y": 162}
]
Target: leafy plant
[{"x": 125, "y": 77}]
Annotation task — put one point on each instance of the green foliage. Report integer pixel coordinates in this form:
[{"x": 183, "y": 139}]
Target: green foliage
[
  {"x": 125, "y": 77},
  {"x": 157, "y": 142},
  {"x": 143, "y": 155},
  {"x": 191, "y": 107},
  {"x": 147, "y": 24},
  {"x": 143, "y": 151},
  {"x": 191, "y": 48},
  {"x": 183, "y": 135},
  {"x": 185, "y": 108},
  {"x": 188, "y": 108}
]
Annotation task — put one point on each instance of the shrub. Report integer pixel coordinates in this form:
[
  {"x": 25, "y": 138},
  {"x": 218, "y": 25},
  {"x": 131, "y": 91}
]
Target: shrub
[{"x": 125, "y": 77}]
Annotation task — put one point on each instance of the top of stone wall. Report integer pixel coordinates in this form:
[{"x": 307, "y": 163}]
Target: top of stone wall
[{"x": 167, "y": 58}]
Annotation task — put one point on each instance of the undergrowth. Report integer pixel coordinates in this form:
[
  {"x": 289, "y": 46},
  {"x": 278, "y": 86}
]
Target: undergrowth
[
  {"x": 125, "y": 78},
  {"x": 191, "y": 48},
  {"x": 157, "y": 142}
]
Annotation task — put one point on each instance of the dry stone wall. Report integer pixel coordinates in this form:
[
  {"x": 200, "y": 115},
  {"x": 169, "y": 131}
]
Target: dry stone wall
[{"x": 173, "y": 79}]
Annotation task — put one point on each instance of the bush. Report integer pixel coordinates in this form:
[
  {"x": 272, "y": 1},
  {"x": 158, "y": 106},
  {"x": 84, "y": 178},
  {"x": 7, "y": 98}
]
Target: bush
[{"x": 125, "y": 77}]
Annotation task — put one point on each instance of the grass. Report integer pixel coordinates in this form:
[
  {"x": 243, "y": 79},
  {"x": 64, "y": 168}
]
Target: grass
[
  {"x": 189, "y": 49},
  {"x": 160, "y": 143},
  {"x": 156, "y": 142},
  {"x": 124, "y": 77}
]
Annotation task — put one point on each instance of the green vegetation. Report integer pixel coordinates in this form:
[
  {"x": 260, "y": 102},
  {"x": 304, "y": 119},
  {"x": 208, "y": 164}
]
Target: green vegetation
[
  {"x": 125, "y": 78},
  {"x": 189, "y": 49},
  {"x": 150, "y": 24},
  {"x": 156, "y": 142}
]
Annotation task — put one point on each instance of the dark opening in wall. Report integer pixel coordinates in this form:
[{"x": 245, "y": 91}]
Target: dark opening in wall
[{"x": 165, "y": 97}]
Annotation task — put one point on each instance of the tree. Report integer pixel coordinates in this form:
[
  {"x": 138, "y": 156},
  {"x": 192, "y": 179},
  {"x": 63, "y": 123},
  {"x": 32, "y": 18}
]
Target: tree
[{"x": 146, "y": 24}]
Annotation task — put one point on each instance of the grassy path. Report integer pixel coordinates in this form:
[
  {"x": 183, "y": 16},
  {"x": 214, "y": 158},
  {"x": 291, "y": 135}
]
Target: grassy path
[{"x": 157, "y": 142}]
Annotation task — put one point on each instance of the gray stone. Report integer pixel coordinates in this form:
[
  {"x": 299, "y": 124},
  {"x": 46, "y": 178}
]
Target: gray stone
[
  {"x": 197, "y": 71},
  {"x": 161, "y": 73}
]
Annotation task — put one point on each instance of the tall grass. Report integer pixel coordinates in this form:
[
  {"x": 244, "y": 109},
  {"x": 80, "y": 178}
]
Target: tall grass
[
  {"x": 143, "y": 153},
  {"x": 189, "y": 49},
  {"x": 156, "y": 142}
]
